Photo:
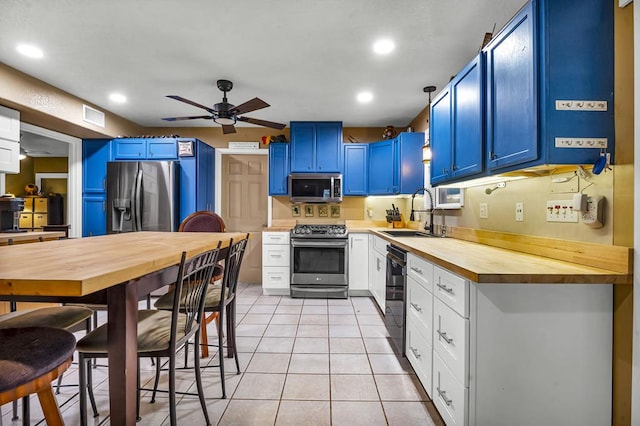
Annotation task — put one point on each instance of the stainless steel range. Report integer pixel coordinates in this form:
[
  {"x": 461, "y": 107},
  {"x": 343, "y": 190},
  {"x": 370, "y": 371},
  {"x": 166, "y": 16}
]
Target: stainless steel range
[{"x": 319, "y": 261}]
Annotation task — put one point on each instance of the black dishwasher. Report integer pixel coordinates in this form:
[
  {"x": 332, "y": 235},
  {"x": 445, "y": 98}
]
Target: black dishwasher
[{"x": 394, "y": 315}]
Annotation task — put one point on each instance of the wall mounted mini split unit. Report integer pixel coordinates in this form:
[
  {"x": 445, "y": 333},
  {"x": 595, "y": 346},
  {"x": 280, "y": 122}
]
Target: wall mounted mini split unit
[{"x": 92, "y": 115}]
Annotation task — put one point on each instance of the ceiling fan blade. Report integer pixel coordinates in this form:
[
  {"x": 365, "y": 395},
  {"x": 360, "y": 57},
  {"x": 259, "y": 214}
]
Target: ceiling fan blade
[
  {"x": 226, "y": 129},
  {"x": 264, "y": 123},
  {"x": 186, "y": 118},
  {"x": 252, "y": 105},
  {"x": 187, "y": 101}
]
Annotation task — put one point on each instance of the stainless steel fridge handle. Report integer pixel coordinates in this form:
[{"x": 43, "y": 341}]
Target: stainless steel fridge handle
[{"x": 137, "y": 202}]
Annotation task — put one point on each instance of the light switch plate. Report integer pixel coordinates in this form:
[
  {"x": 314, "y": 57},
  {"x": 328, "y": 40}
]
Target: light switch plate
[{"x": 519, "y": 212}]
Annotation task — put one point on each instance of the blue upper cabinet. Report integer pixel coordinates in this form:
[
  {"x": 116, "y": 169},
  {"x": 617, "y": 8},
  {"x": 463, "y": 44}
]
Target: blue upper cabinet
[
  {"x": 440, "y": 132},
  {"x": 410, "y": 170},
  {"x": 395, "y": 165},
  {"x": 467, "y": 115},
  {"x": 95, "y": 154},
  {"x": 278, "y": 168},
  {"x": 457, "y": 126},
  {"x": 145, "y": 149},
  {"x": 512, "y": 100},
  {"x": 316, "y": 147},
  {"x": 354, "y": 174},
  {"x": 549, "y": 86},
  {"x": 382, "y": 167},
  {"x": 197, "y": 179}
]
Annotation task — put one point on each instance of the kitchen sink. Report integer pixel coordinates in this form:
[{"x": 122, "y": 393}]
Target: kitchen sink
[{"x": 407, "y": 233}]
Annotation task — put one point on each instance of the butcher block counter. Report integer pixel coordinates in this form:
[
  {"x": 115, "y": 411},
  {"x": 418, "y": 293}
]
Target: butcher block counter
[
  {"x": 495, "y": 257},
  {"x": 29, "y": 237}
]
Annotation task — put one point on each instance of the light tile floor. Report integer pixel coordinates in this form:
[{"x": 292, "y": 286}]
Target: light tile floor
[{"x": 303, "y": 362}]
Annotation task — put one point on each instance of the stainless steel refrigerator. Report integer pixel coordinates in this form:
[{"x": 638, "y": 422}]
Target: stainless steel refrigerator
[{"x": 142, "y": 196}]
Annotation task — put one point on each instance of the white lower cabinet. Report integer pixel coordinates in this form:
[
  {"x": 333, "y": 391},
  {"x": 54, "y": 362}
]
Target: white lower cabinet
[
  {"x": 358, "y": 264},
  {"x": 419, "y": 353},
  {"x": 377, "y": 270},
  {"x": 449, "y": 396},
  {"x": 276, "y": 255},
  {"x": 510, "y": 354}
]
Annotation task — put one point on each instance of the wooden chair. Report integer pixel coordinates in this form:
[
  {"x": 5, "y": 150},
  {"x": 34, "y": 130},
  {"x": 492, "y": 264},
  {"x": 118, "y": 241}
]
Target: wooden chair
[
  {"x": 204, "y": 221},
  {"x": 160, "y": 333},
  {"x": 30, "y": 359}
]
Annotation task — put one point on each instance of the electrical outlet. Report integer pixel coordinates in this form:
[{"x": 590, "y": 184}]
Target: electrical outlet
[
  {"x": 561, "y": 211},
  {"x": 519, "y": 212},
  {"x": 484, "y": 211}
]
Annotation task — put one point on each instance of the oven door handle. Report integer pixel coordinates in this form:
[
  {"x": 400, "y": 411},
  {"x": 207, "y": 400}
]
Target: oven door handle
[{"x": 323, "y": 243}]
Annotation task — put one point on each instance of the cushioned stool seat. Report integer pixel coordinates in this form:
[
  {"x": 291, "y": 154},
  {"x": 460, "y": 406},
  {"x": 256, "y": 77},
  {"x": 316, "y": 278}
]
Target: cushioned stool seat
[
  {"x": 30, "y": 359},
  {"x": 64, "y": 317}
]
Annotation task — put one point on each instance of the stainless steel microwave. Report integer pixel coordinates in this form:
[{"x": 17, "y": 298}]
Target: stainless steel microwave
[{"x": 315, "y": 187}]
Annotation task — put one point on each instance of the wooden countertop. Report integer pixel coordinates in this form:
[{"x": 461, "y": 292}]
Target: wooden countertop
[
  {"x": 77, "y": 267},
  {"x": 484, "y": 263},
  {"x": 29, "y": 237}
]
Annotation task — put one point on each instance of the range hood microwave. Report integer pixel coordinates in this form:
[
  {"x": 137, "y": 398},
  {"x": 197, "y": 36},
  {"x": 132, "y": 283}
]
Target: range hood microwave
[{"x": 315, "y": 187}]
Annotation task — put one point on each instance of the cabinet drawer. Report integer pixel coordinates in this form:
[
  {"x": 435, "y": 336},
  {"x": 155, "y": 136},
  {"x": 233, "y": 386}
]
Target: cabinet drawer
[
  {"x": 39, "y": 220},
  {"x": 449, "y": 396},
  {"x": 275, "y": 255},
  {"x": 452, "y": 290},
  {"x": 275, "y": 277},
  {"x": 40, "y": 205},
  {"x": 26, "y": 220},
  {"x": 421, "y": 270},
  {"x": 275, "y": 238},
  {"x": 450, "y": 339},
  {"x": 420, "y": 307},
  {"x": 420, "y": 354},
  {"x": 380, "y": 245}
]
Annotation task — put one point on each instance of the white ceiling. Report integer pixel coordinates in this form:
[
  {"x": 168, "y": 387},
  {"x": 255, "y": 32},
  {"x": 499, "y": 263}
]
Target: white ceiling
[{"x": 308, "y": 59}]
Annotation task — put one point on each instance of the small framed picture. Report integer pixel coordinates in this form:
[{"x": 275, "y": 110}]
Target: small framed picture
[
  {"x": 308, "y": 211},
  {"x": 295, "y": 210},
  {"x": 323, "y": 211},
  {"x": 335, "y": 211}
]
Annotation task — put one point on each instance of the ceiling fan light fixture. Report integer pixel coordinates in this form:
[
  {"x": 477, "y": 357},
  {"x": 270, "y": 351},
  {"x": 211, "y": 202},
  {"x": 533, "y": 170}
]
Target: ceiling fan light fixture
[{"x": 225, "y": 121}]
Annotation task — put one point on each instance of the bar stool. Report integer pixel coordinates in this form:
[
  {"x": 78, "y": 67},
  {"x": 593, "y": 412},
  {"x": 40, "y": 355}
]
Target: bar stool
[{"x": 30, "y": 359}]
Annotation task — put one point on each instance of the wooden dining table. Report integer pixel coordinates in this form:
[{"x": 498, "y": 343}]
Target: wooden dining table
[{"x": 117, "y": 270}]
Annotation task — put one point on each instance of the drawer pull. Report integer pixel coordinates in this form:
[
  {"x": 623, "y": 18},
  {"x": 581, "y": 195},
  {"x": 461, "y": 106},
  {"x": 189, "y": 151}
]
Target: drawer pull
[
  {"x": 416, "y": 270},
  {"x": 444, "y": 336},
  {"x": 416, "y": 307},
  {"x": 443, "y": 395},
  {"x": 445, "y": 288},
  {"x": 276, "y": 277},
  {"x": 275, "y": 255},
  {"x": 415, "y": 352}
]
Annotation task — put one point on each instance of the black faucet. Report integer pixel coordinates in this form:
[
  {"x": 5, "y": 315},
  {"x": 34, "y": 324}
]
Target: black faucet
[{"x": 413, "y": 197}]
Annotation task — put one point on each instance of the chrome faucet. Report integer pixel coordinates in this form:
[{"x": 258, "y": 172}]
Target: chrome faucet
[{"x": 412, "y": 217}]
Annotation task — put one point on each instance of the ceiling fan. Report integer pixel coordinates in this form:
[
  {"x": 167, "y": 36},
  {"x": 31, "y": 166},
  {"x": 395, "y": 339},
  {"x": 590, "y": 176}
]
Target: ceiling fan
[{"x": 227, "y": 114}]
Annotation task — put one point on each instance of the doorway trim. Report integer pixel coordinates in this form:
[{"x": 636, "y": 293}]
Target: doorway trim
[
  {"x": 218, "y": 173},
  {"x": 74, "y": 172}
]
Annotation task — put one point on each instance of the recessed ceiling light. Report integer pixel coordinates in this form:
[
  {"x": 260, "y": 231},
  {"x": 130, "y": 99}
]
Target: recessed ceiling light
[
  {"x": 383, "y": 47},
  {"x": 117, "y": 97},
  {"x": 364, "y": 97},
  {"x": 30, "y": 51}
]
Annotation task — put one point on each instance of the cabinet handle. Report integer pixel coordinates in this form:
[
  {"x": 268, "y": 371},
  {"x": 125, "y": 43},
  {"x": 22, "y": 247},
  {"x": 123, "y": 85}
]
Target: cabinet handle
[
  {"x": 493, "y": 155},
  {"x": 416, "y": 270},
  {"x": 276, "y": 277},
  {"x": 275, "y": 255},
  {"x": 444, "y": 336},
  {"x": 443, "y": 395},
  {"x": 415, "y": 352},
  {"x": 444, "y": 171},
  {"x": 416, "y": 307},
  {"x": 445, "y": 288},
  {"x": 454, "y": 167}
]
